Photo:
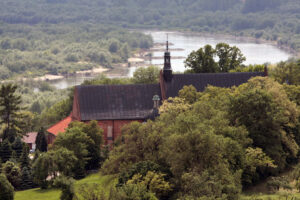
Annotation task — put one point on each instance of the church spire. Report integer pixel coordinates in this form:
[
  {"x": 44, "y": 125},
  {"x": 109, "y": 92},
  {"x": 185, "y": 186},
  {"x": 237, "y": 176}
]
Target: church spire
[
  {"x": 167, "y": 42},
  {"x": 167, "y": 70}
]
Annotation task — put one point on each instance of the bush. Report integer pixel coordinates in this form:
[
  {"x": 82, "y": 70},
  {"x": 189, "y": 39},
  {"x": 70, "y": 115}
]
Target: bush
[
  {"x": 12, "y": 172},
  {"x": 6, "y": 189},
  {"x": 132, "y": 192},
  {"x": 141, "y": 168},
  {"x": 67, "y": 187}
]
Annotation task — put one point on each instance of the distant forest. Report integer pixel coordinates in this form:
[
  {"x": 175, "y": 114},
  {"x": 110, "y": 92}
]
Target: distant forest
[
  {"x": 63, "y": 36},
  {"x": 269, "y": 19}
]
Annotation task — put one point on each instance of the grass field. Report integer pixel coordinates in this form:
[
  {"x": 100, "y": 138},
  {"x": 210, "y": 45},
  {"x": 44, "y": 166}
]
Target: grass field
[
  {"x": 105, "y": 182},
  {"x": 283, "y": 195}
]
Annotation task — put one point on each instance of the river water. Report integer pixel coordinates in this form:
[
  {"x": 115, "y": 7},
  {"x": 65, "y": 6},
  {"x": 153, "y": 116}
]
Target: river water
[{"x": 255, "y": 53}]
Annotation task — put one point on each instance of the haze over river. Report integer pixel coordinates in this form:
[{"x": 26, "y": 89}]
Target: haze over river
[{"x": 255, "y": 53}]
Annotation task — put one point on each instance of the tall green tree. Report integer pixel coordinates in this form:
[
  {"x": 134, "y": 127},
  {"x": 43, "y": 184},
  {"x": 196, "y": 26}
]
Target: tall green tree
[
  {"x": 42, "y": 168},
  {"x": 203, "y": 60},
  {"x": 24, "y": 159},
  {"x": 41, "y": 141},
  {"x": 5, "y": 151},
  {"x": 27, "y": 178},
  {"x": 9, "y": 108},
  {"x": 229, "y": 57},
  {"x": 17, "y": 146},
  {"x": 75, "y": 140}
]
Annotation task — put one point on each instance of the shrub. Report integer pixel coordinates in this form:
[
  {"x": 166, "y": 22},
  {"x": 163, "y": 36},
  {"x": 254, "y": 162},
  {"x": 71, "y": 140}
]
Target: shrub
[
  {"x": 67, "y": 187},
  {"x": 6, "y": 189}
]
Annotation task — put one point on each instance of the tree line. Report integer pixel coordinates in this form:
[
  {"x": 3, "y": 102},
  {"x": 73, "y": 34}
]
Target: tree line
[
  {"x": 274, "y": 20},
  {"x": 30, "y": 51}
]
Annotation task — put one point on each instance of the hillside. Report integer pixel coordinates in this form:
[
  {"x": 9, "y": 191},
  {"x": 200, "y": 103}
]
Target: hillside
[{"x": 269, "y": 19}]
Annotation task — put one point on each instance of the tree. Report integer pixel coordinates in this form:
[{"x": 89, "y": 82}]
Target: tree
[
  {"x": 64, "y": 161},
  {"x": 202, "y": 60},
  {"x": 24, "y": 159},
  {"x": 67, "y": 187},
  {"x": 132, "y": 191},
  {"x": 263, "y": 107},
  {"x": 6, "y": 189},
  {"x": 17, "y": 147},
  {"x": 42, "y": 168},
  {"x": 255, "y": 159},
  {"x": 12, "y": 173},
  {"x": 41, "y": 141},
  {"x": 9, "y": 108},
  {"x": 5, "y": 151},
  {"x": 154, "y": 182},
  {"x": 94, "y": 132},
  {"x": 36, "y": 107},
  {"x": 287, "y": 72},
  {"x": 147, "y": 75},
  {"x": 75, "y": 140},
  {"x": 114, "y": 46},
  {"x": 229, "y": 57},
  {"x": 189, "y": 94},
  {"x": 27, "y": 178},
  {"x": 58, "y": 161}
]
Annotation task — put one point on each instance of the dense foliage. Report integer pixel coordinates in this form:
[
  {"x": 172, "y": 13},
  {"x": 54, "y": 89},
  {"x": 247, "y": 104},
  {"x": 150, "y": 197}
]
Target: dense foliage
[
  {"x": 64, "y": 49},
  {"x": 211, "y": 144},
  {"x": 269, "y": 19},
  {"x": 204, "y": 59},
  {"x": 6, "y": 189}
]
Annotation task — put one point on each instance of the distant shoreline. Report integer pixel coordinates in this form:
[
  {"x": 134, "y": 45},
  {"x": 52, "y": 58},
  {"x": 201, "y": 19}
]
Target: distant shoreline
[{"x": 229, "y": 36}]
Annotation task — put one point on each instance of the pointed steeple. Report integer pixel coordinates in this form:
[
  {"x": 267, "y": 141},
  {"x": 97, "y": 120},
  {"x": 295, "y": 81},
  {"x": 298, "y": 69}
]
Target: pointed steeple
[{"x": 167, "y": 70}]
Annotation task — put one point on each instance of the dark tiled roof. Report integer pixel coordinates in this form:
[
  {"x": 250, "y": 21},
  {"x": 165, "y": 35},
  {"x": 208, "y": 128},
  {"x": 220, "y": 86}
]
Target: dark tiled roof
[
  {"x": 105, "y": 102},
  {"x": 201, "y": 81}
]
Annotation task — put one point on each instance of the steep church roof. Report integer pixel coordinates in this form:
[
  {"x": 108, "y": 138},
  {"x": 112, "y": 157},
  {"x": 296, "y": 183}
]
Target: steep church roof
[
  {"x": 134, "y": 102},
  {"x": 202, "y": 80},
  {"x": 106, "y": 102}
]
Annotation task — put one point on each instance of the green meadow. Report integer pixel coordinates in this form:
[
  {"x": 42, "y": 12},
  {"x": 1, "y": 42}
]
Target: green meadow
[{"x": 104, "y": 182}]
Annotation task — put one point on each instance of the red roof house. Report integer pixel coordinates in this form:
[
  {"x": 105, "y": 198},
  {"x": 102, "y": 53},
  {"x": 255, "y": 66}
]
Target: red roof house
[{"x": 57, "y": 128}]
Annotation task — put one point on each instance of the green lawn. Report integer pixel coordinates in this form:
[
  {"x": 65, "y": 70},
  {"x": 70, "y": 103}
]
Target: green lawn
[
  {"x": 53, "y": 194},
  {"x": 283, "y": 196},
  {"x": 38, "y": 194}
]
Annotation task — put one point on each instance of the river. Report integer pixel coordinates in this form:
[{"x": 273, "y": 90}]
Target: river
[{"x": 255, "y": 53}]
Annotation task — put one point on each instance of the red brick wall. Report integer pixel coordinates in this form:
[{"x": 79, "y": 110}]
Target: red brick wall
[
  {"x": 104, "y": 125},
  {"x": 50, "y": 138},
  {"x": 75, "y": 111},
  {"x": 116, "y": 128}
]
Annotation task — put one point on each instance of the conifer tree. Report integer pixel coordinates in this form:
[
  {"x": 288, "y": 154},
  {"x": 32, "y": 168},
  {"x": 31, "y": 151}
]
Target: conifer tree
[
  {"x": 24, "y": 159},
  {"x": 27, "y": 178},
  {"x": 17, "y": 147},
  {"x": 5, "y": 151},
  {"x": 9, "y": 108},
  {"x": 41, "y": 141}
]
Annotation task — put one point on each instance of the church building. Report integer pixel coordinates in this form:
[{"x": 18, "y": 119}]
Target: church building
[{"x": 113, "y": 106}]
